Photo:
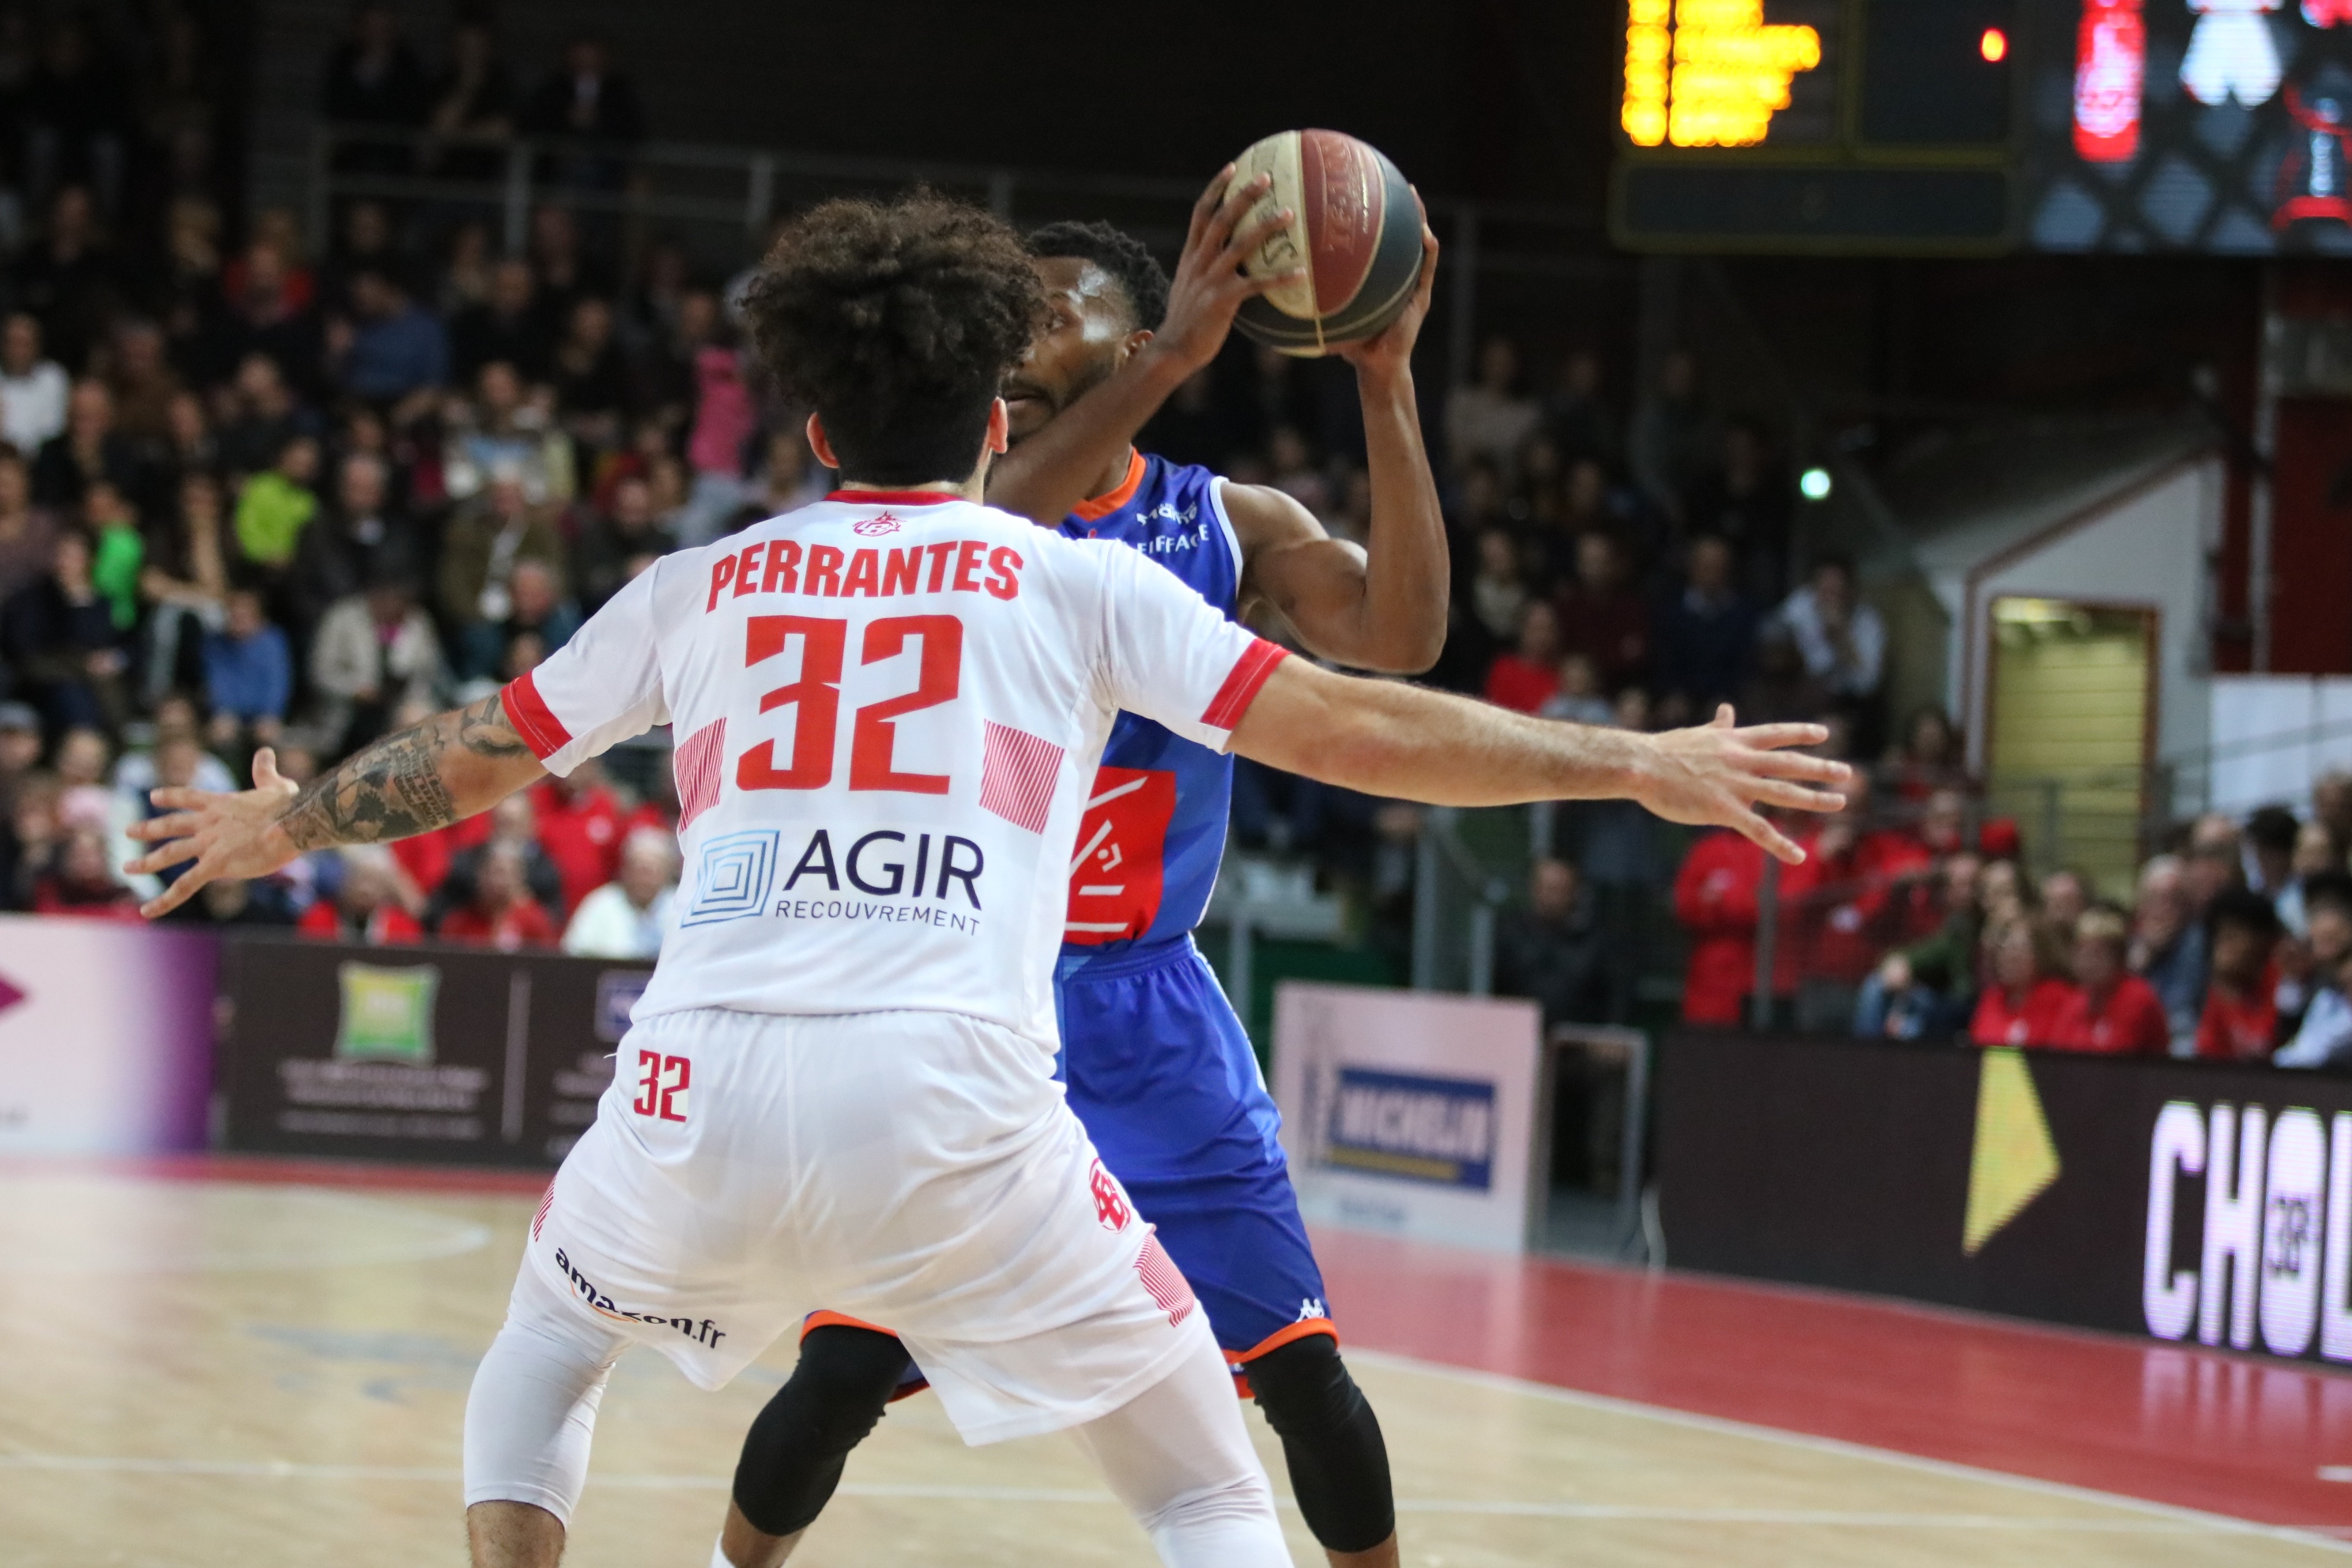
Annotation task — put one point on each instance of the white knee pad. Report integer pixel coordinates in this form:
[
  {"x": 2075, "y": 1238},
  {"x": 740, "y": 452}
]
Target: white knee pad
[
  {"x": 533, "y": 1411},
  {"x": 1178, "y": 1456}
]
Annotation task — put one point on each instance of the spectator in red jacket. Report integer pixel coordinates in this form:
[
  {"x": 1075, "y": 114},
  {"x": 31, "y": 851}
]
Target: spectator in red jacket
[
  {"x": 503, "y": 914},
  {"x": 1842, "y": 926},
  {"x": 1602, "y": 615},
  {"x": 514, "y": 820},
  {"x": 581, "y": 825},
  {"x": 1936, "y": 834},
  {"x": 1525, "y": 677},
  {"x": 2027, "y": 1000},
  {"x": 1717, "y": 895},
  {"x": 2241, "y": 1021},
  {"x": 2111, "y": 1012},
  {"x": 81, "y": 882},
  {"x": 367, "y": 908}
]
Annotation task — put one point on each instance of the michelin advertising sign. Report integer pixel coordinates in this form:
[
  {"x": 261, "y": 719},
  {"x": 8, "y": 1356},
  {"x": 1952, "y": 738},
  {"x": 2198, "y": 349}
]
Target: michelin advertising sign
[{"x": 1408, "y": 1113}]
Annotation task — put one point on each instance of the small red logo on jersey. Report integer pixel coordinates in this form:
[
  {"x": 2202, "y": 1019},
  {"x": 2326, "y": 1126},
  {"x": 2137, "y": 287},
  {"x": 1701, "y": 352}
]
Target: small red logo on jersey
[
  {"x": 1111, "y": 1203},
  {"x": 886, "y": 523},
  {"x": 1115, "y": 878}
]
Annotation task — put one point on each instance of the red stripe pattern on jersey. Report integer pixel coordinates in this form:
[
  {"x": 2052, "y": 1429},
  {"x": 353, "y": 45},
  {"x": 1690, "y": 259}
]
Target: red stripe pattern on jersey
[
  {"x": 697, "y": 763},
  {"x": 539, "y": 1218},
  {"x": 1165, "y": 1281},
  {"x": 1017, "y": 775},
  {"x": 1250, "y": 673},
  {"x": 532, "y": 718}
]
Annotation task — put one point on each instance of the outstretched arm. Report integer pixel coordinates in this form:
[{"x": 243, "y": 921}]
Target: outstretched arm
[
  {"x": 448, "y": 768},
  {"x": 1409, "y": 742}
]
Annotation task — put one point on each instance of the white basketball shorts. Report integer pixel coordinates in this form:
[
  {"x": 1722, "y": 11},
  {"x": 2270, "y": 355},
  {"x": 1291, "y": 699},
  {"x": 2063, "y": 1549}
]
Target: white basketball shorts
[{"x": 915, "y": 1169}]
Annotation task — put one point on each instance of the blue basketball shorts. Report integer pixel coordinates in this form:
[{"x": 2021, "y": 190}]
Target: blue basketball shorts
[{"x": 1161, "y": 1073}]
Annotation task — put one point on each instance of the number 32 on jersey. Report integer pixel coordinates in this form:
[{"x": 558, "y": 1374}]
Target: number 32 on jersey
[
  {"x": 815, "y": 700},
  {"x": 662, "y": 1084}
]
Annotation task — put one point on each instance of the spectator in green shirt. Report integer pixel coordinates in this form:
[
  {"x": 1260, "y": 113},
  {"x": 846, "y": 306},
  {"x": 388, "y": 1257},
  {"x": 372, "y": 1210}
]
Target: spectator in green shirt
[
  {"x": 121, "y": 550},
  {"x": 276, "y": 503}
]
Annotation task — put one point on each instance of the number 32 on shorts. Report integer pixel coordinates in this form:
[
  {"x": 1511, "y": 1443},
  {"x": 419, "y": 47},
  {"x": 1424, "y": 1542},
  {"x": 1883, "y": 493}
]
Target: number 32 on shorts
[{"x": 661, "y": 1085}]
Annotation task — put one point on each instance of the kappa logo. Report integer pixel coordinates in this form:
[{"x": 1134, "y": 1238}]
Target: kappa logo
[
  {"x": 1310, "y": 1308},
  {"x": 1111, "y": 1203},
  {"x": 886, "y": 523}
]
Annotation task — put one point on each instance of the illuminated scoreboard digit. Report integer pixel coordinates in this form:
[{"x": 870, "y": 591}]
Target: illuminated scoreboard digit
[
  {"x": 1715, "y": 73},
  {"x": 1816, "y": 124}
]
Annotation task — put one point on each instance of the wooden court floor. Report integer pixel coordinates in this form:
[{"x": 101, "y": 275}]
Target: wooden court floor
[{"x": 216, "y": 1365}]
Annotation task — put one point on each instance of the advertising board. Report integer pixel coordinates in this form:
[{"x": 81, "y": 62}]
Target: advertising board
[
  {"x": 106, "y": 1037},
  {"x": 442, "y": 1055},
  {"x": 1408, "y": 1113},
  {"x": 2180, "y": 1200}
]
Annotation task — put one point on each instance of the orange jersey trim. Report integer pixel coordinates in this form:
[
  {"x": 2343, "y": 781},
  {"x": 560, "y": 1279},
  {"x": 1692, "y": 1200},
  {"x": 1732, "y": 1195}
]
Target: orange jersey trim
[
  {"x": 841, "y": 1320},
  {"x": 1288, "y": 1333},
  {"x": 824, "y": 1320},
  {"x": 1102, "y": 506}
]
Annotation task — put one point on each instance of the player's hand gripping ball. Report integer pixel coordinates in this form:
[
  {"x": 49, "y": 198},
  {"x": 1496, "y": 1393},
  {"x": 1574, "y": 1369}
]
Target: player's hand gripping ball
[{"x": 1356, "y": 230}]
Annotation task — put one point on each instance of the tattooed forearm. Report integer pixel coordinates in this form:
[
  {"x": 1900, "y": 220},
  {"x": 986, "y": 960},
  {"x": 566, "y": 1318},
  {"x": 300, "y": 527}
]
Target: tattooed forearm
[
  {"x": 391, "y": 789},
  {"x": 483, "y": 730},
  {"x": 403, "y": 785}
]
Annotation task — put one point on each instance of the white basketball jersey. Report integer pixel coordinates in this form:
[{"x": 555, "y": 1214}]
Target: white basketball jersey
[{"x": 888, "y": 708}]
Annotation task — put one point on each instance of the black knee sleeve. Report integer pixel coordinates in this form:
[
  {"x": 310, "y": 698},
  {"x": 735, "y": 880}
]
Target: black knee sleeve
[
  {"x": 793, "y": 1454},
  {"x": 1331, "y": 1440}
]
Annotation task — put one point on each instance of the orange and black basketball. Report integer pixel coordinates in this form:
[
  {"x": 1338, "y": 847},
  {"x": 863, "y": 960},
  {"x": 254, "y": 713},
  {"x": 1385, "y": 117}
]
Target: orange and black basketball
[{"x": 1357, "y": 231}]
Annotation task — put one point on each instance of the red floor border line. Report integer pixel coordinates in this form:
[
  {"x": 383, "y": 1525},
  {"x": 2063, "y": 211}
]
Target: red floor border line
[{"x": 2182, "y": 1425}]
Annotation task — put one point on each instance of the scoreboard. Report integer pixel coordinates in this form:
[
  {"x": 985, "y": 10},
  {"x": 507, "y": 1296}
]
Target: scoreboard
[
  {"x": 1960, "y": 126},
  {"x": 1817, "y": 124},
  {"x": 1720, "y": 75}
]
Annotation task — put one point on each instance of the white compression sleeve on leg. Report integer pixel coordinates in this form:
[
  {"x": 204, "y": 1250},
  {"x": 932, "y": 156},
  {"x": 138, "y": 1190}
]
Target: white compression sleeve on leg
[
  {"x": 532, "y": 1410},
  {"x": 1178, "y": 1457}
]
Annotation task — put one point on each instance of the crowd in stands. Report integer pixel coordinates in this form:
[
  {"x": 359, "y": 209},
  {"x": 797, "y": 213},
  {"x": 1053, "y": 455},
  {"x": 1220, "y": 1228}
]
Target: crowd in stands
[
  {"x": 251, "y": 495},
  {"x": 2234, "y": 943},
  {"x": 1623, "y": 561},
  {"x": 1608, "y": 563}
]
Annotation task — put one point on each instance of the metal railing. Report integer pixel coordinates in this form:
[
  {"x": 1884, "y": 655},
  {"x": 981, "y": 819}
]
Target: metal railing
[
  {"x": 1463, "y": 880},
  {"x": 1257, "y": 898},
  {"x": 732, "y": 193}
]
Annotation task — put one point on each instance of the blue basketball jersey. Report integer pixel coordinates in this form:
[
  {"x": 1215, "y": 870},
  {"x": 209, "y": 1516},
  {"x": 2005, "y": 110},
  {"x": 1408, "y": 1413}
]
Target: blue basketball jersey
[{"x": 1154, "y": 830}]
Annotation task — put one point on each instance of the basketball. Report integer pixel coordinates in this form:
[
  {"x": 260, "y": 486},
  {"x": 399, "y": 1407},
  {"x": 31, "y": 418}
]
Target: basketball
[{"x": 1356, "y": 229}]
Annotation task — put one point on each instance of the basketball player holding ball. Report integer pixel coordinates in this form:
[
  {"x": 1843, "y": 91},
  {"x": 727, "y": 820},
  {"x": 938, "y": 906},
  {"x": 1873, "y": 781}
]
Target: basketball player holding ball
[{"x": 1159, "y": 1068}]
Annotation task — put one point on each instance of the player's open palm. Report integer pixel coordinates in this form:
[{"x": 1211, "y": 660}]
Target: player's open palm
[
  {"x": 1716, "y": 775},
  {"x": 1209, "y": 284},
  {"x": 229, "y": 836}
]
